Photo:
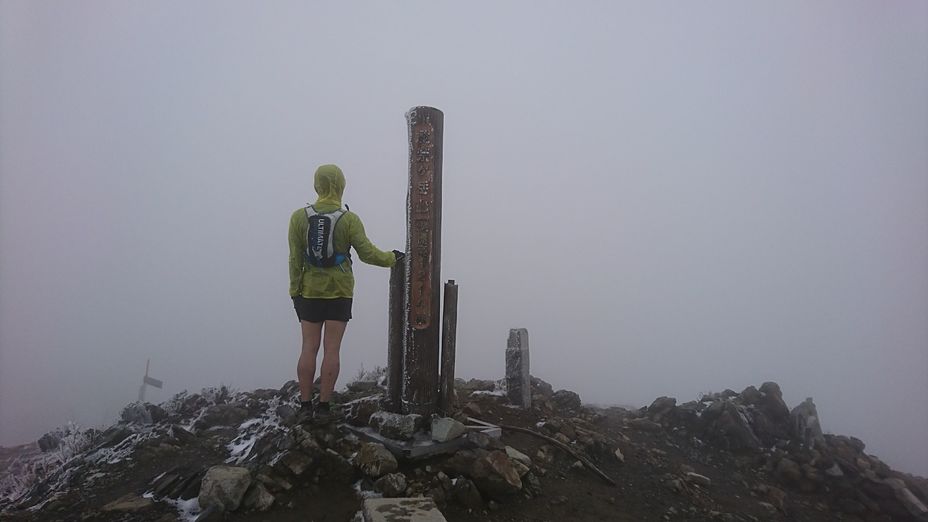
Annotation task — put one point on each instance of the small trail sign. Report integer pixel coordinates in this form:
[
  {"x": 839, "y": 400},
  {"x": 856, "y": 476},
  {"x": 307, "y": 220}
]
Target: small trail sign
[{"x": 148, "y": 381}]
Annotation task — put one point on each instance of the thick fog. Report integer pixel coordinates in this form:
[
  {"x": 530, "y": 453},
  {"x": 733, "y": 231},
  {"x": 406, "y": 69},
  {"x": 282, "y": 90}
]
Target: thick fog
[{"x": 673, "y": 199}]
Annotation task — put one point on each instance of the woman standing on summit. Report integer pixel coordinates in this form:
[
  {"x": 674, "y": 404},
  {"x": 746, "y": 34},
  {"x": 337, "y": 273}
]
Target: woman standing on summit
[{"x": 322, "y": 284}]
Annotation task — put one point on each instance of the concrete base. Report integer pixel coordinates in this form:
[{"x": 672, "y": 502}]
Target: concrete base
[
  {"x": 422, "y": 445},
  {"x": 401, "y": 510}
]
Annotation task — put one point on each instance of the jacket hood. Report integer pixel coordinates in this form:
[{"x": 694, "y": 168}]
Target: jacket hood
[{"x": 330, "y": 185}]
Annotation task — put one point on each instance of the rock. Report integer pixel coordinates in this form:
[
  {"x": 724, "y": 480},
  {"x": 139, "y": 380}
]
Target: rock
[
  {"x": 541, "y": 388},
  {"x": 850, "y": 506},
  {"x": 189, "y": 487},
  {"x": 221, "y": 415},
  {"x": 472, "y": 385},
  {"x": 566, "y": 400},
  {"x": 568, "y": 430},
  {"x": 520, "y": 468},
  {"x": 296, "y": 461},
  {"x": 905, "y": 497},
  {"x": 273, "y": 482},
  {"x": 224, "y": 487},
  {"x": 164, "y": 484},
  {"x": 776, "y": 496},
  {"x": 156, "y": 412},
  {"x": 805, "y": 424},
  {"x": 289, "y": 389},
  {"x": 400, "y": 509},
  {"x": 462, "y": 462},
  {"x": 788, "y": 471},
  {"x": 49, "y": 441},
  {"x": 137, "y": 413},
  {"x": 443, "y": 480},
  {"x": 391, "y": 484},
  {"x": 661, "y": 407},
  {"x": 336, "y": 467},
  {"x": 728, "y": 422},
  {"x": 772, "y": 405},
  {"x": 771, "y": 389},
  {"x": 113, "y": 436},
  {"x": 395, "y": 425},
  {"x": 751, "y": 395},
  {"x": 446, "y": 428},
  {"x": 258, "y": 498},
  {"x": 362, "y": 386},
  {"x": 696, "y": 478},
  {"x": 358, "y": 412},
  {"x": 305, "y": 440},
  {"x": 545, "y": 454},
  {"x": 375, "y": 460},
  {"x": 834, "y": 471},
  {"x": 286, "y": 413},
  {"x": 517, "y": 455},
  {"x": 643, "y": 424},
  {"x": 465, "y": 492},
  {"x": 531, "y": 484},
  {"x": 481, "y": 440},
  {"x": 811, "y": 474},
  {"x": 129, "y": 503},
  {"x": 618, "y": 454},
  {"x": 180, "y": 434},
  {"x": 495, "y": 475},
  {"x": 438, "y": 496},
  {"x": 211, "y": 514}
]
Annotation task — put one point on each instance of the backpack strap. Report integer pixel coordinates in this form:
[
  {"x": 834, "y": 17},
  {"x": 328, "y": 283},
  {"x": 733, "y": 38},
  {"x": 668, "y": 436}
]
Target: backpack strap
[
  {"x": 334, "y": 217},
  {"x": 339, "y": 257}
]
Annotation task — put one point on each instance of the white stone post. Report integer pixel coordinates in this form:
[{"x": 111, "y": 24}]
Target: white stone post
[{"x": 518, "y": 378}]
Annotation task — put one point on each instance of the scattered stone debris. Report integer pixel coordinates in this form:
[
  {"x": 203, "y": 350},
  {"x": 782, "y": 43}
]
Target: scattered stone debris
[{"x": 219, "y": 454}]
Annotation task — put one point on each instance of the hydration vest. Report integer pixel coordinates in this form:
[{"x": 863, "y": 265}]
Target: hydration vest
[{"x": 320, "y": 238}]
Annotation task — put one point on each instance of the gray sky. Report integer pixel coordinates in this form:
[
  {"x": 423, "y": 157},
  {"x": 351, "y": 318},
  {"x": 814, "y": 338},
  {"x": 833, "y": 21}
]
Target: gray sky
[{"x": 672, "y": 198}]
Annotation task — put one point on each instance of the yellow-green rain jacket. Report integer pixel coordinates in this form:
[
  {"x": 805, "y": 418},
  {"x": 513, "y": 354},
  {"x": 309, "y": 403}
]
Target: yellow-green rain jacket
[{"x": 337, "y": 281}]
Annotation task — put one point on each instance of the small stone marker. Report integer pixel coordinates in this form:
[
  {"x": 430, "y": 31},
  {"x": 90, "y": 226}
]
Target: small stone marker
[
  {"x": 446, "y": 428},
  {"x": 518, "y": 379},
  {"x": 401, "y": 509}
]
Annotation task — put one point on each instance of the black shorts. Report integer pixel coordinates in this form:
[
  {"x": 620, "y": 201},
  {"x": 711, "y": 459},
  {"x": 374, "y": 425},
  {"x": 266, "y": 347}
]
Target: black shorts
[{"x": 318, "y": 310}]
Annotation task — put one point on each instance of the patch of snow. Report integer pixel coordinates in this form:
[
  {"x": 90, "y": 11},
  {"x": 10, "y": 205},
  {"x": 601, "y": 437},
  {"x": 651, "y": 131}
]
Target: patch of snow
[
  {"x": 249, "y": 423},
  {"x": 494, "y": 393},
  {"x": 240, "y": 447},
  {"x": 158, "y": 477},
  {"x": 187, "y": 510},
  {"x": 121, "y": 451},
  {"x": 365, "y": 494},
  {"x": 253, "y": 430}
]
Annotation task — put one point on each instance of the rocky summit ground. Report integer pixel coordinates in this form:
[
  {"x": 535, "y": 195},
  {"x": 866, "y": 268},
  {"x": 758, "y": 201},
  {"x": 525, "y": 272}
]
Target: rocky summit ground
[{"x": 241, "y": 456}]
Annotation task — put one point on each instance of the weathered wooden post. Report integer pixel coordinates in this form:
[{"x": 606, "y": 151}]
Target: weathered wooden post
[
  {"x": 449, "y": 326},
  {"x": 423, "y": 275},
  {"x": 395, "y": 333}
]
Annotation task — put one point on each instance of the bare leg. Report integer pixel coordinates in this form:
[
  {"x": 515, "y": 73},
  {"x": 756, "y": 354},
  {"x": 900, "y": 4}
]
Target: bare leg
[
  {"x": 306, "y": 367},
  {"x": 331, "y": 344}
]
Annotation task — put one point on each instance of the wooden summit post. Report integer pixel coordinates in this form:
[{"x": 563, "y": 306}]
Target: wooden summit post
[
  {"x": 395, "y": 334},
  {"x": 423, "y": 274}
]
